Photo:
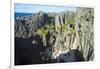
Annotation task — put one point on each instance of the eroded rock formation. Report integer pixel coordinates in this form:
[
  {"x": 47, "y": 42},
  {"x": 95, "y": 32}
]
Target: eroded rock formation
[{"x": 65, "y": 36}]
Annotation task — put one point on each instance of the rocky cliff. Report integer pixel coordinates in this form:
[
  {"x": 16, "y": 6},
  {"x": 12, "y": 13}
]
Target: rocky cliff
[{"x": 55, "y": 37}]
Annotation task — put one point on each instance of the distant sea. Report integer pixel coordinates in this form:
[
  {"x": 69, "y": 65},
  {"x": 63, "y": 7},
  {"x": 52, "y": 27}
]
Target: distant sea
[{"x": 23, "y": 14}]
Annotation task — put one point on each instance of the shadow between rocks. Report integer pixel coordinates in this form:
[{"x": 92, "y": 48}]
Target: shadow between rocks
[
  {"x": 28, "y": 53},
  {"x": 71, "y": 56}
]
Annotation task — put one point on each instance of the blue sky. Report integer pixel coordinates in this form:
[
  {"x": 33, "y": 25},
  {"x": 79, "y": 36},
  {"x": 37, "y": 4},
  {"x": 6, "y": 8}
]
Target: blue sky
[{"x": 31, "y": 8}]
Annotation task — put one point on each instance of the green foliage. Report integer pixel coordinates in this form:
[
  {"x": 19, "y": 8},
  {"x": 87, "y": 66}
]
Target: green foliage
[
  {"x": 44, "y": 31},
  {"x": 73, "y": 30},
  {"x": 64, "y": 28},
  {"x": 71, "y": 20}
]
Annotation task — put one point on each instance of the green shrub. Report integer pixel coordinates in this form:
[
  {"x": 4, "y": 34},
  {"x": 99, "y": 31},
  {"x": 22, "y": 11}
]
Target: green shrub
[
  {"x": 43, "y": 31},
  {"x": 71, "y": 20},
  {"x": 73, "y": 31},
  {"x": 64, "y": 28}
]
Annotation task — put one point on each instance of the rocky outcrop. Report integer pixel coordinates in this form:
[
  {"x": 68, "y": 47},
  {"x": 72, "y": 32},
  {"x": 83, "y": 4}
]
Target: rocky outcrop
[
  {"x": 85, "y": 23},
  {"x": 79, "y": 35},
  {"x": 65, "y": 36}
]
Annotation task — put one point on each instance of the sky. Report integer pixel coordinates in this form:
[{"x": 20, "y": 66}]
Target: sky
[{"x": 32, "y": 8}]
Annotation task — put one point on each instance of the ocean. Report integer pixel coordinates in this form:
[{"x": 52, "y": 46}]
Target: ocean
[{"x": 23, "y": 14}]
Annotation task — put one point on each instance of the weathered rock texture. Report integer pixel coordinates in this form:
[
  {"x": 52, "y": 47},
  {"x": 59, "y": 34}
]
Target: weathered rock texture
[
  {"x": 85, "y": 21},
  {"x": 65, "y": 37}
]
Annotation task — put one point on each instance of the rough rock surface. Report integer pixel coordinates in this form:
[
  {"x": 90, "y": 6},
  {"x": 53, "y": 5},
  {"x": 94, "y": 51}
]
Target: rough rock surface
[
  {"x": 65, "y": 36},
  {"x": 85, "y": 21}
]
